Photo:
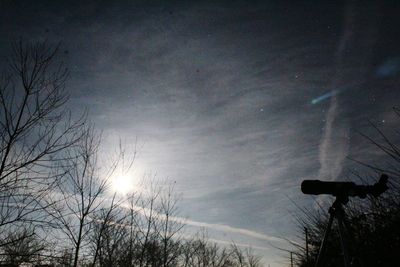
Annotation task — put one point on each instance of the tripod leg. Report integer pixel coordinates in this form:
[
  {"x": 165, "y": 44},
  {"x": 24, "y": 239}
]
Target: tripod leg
[
  {"x": 356, "y": 261},
  {"x": 323, "y": 244},
  {"x": 343, "y": 241}
]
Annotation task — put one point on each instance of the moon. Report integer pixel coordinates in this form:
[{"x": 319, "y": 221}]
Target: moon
[{"x": 122, "y": 184}]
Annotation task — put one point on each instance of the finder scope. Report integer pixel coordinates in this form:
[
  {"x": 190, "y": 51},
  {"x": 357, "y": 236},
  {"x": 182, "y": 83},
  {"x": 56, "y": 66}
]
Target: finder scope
[{"x": 344, "y": 189}]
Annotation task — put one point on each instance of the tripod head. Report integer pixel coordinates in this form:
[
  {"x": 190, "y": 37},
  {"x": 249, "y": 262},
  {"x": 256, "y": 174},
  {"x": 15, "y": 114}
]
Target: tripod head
[{"x": 344, "y": 189}]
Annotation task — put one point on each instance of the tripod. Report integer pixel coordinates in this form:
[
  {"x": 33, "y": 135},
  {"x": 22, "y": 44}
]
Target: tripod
[
  {"x": 336, "y": 210},
  {"x": 342, "y": 191}
]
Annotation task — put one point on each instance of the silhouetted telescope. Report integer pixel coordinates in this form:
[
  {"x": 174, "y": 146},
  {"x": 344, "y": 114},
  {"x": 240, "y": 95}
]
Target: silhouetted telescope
[{"x": 344, "y": 189}]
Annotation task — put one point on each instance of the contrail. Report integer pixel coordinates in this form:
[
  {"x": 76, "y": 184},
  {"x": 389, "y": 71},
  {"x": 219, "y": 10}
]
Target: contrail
[
  {"x": 351, "y": 65},
  {"x": 186, "y": 236},
  {"x": 217, "y": 227},
  {"x": 332, "y": 152},
  {"x": 334, "y": 145},
  {"x": 230, "y": 229}
]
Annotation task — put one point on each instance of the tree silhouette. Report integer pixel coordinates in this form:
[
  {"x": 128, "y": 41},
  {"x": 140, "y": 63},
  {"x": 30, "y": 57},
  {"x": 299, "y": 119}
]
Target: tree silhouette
[
  {"x": 373, "y": 229},
  {"x": 35, "y": 130},
  {"x": 80, "y": 194},
  {"x": 21, "y": 247}
]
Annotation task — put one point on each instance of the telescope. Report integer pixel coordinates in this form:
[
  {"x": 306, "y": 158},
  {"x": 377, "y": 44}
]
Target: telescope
[{"x": 344, "y": 189}]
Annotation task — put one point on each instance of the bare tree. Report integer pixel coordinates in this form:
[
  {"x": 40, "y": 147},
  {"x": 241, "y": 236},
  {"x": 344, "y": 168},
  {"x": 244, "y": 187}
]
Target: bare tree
[
  {"x": 244, "y": 258},
  {"x": 200, "y": 252},
  {"x": 80, "y": 194},
  {"x": 35, "y": 127},
  {"x": 147, "y": 225},
  {"x": 133, "y": 242},
  {"x": 108, "y": 234},
  {"x": 142, "y": 231},
  {"x": 21, "y": 247},
  {"x": 169, "y": 226},
  {"x": 65, "y": 258},
  {"x": 157, "y": 225},
  {"x": 116, "y": 237}
]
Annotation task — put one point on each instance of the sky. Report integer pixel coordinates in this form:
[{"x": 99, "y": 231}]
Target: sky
[{"x": 235, "y": 101}]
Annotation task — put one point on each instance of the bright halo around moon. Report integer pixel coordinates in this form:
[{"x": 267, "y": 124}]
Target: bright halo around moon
[{"x": 122, "y": 184}]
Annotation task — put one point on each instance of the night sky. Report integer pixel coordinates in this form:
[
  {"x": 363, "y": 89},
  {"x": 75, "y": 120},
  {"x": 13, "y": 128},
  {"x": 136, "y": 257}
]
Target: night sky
[{"x": 235, "y": 101}]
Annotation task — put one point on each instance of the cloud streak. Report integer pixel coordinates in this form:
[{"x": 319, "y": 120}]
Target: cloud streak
[
  {"x": 333, "y": 147},
  {"x": 218, "y": 227},
  {"x": 241, "y": 231}
]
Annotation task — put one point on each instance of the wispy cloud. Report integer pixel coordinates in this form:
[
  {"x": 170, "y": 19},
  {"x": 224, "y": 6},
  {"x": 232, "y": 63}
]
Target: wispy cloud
[
  {"x": 334, "y": 144},
  {"x": 218, "y": 227},
  {"x": 230, "y": 229},
  {"x": 224, "y": 242},
  {"x": 333, "y": 147}
]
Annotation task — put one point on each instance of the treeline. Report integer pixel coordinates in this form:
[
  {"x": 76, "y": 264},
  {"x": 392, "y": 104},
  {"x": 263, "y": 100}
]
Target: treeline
[
  {"x": 56, "y": 205},
  {"x": 373, "y": 232},
  {"x": 140, "y": 232}
]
